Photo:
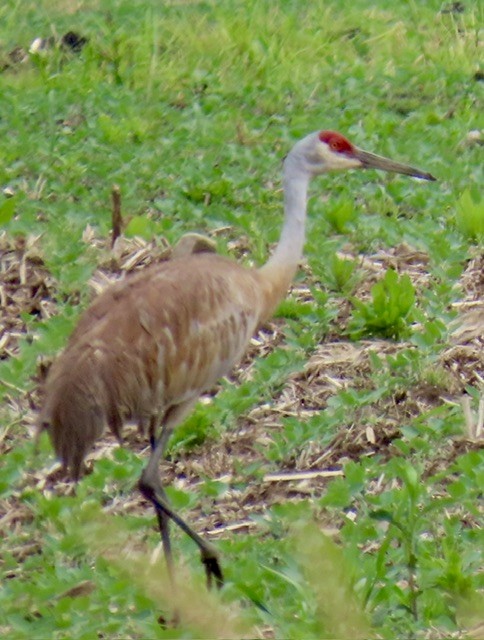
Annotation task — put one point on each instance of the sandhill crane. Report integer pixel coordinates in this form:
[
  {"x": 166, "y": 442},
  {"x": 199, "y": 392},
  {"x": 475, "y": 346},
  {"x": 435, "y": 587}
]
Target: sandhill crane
[{"x": 149, "y": 346}]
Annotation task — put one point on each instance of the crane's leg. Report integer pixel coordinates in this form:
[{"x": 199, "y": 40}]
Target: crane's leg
[
  {"x": 151, "y": 487},
  {"x": 163, "y": 519}
]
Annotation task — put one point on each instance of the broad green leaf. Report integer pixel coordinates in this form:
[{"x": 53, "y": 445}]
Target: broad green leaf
[
  {"x": 470, "y": 215},
  {"x": 7, "y": 210},
  {"x": 140, "y": 226}
]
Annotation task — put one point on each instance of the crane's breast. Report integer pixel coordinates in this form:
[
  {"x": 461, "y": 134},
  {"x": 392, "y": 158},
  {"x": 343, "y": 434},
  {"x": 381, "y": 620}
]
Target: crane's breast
[{"x": 205, "y": 330}]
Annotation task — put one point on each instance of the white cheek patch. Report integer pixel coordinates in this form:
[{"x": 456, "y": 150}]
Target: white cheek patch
[{"x": 335, "y": 160}]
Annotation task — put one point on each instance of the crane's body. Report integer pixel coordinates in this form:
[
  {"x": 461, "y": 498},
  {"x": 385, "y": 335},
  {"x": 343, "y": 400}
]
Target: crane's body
[
  {"x": 149, "y": 346},
  {"x": 151, "y": 343}
]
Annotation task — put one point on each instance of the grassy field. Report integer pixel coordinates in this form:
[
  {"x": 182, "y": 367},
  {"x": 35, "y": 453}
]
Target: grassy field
[{"x": 340, "y": 468}]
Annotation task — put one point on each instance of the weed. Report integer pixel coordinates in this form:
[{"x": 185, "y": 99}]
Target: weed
[
  {"x": 341, "y": 275},
  {"x": 388, "y": 312},
  {"x": 470, "y": 216},
  {"x": 340, "y": 215}
]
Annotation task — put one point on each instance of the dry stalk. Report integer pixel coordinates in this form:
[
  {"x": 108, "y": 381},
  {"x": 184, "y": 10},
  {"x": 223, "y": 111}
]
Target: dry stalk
[{"x": 117, "y": 220}]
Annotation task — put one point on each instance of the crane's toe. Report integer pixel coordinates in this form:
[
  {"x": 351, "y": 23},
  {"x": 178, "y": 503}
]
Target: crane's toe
[{"x": 213, "y": 570}]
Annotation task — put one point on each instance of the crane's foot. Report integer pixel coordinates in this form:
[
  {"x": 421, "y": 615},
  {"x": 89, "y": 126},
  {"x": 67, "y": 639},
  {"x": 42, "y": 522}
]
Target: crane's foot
[{"x": 213, "y": 570}]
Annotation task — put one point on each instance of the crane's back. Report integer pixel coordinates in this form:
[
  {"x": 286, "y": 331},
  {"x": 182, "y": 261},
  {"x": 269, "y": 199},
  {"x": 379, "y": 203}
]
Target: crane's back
[{"x": 156, "y": 340}]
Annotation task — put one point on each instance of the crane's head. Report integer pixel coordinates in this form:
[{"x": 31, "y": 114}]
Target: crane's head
[{"x": 325, "y": 151}]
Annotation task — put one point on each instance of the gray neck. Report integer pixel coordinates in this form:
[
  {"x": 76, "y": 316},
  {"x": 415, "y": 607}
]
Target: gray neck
[{"x": 289, "y": 249}]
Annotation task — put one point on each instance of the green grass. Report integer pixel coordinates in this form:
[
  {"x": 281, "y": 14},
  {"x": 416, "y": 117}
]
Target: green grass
[{"x": 190, "y": 108}]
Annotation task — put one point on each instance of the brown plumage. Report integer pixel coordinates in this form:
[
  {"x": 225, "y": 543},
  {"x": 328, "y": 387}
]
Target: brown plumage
[
  {"x": 148, "y": 346},
  {"x": 157, "y": 340}
]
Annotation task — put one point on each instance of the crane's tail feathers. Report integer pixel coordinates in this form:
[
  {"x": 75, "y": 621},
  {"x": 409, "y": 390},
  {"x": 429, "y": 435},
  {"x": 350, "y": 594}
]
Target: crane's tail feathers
[{"x": 74, "y": 422}]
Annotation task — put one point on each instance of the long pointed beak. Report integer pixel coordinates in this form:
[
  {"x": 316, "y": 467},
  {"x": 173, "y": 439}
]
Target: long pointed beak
[{"x": 372, "y": 161}]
